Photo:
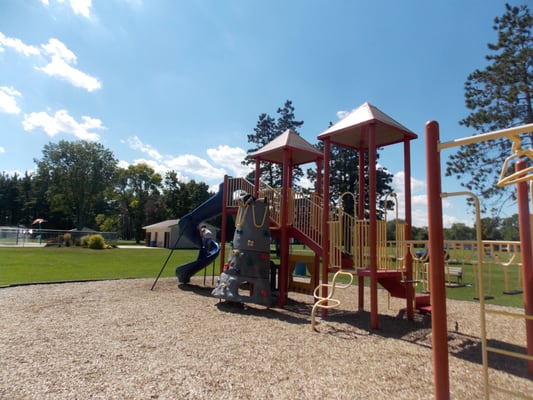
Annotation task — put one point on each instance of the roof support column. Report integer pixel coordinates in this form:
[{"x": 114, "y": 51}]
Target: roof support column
[
  {"x": 373, "y": 232},
  {"x": 257, "y": 177},
  {"x": 408, "y": 231},
  {"x": 224, "y": 226},
  {"x": 284, "y": 255},
  {"x": 361, "y": 195},
  {"x": 325, "y": 219}
]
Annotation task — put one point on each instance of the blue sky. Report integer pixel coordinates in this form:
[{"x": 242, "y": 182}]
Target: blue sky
[{"x": 179, "y": 84}]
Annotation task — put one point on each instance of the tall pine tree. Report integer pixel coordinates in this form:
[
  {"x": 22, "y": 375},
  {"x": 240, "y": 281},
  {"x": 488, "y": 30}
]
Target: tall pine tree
[
  {"x": 499, "y": 96},
  {"x": 266, "y": 130}
]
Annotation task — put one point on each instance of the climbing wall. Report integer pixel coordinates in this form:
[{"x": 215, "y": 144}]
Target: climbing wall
[{"x": 246, "y": 275}]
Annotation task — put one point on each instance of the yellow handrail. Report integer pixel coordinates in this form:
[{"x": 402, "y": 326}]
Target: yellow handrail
[{"x": 328, "y": 301}]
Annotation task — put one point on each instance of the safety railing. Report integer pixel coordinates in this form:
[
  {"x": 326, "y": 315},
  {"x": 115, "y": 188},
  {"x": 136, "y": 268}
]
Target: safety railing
[
  {"x": 350, "y": 237},
  {"x": 307, "y": 216},
  {"x": 274, "y": 199},
  {"x": 236, "y": 187}
]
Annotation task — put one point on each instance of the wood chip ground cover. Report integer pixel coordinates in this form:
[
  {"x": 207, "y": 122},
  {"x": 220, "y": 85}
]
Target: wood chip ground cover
[{"x": 118, "y": 340}]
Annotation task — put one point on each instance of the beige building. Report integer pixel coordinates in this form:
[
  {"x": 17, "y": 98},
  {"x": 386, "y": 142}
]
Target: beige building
[{"x": 166, "y": 233}]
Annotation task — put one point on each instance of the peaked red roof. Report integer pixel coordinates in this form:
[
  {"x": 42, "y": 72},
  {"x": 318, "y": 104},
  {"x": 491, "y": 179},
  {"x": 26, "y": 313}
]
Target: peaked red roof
[
  {"x": 349, "y": 132},
  {"x": 302, "y": 151}
]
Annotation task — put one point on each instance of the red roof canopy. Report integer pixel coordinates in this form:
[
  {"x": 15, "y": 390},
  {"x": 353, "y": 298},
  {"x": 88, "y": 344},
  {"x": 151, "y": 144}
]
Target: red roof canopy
[
  {"x": 302, "y": 151},
  {"x": 352, "y": 130}
]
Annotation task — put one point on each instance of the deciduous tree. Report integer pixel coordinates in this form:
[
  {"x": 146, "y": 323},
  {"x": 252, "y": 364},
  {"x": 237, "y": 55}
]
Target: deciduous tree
[
  {"x": 138, "y": 189},
  {"x": 76, "y": 176}
]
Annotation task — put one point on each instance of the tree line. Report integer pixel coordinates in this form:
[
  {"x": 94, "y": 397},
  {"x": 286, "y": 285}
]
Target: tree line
[
  {"x": 79, "y": 184},
  {"x": 492, "y": 228}
]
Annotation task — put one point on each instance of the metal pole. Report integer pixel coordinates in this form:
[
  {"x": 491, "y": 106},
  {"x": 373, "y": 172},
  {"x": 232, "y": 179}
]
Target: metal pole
[
  {"x": 411, "y": 295},
  {"x": 325, "y": 219},
  {"x": 527, "y": 257},
  {"x": 436, "y": 263},
  {"x": 373, "y": 233},
  {"x": 169, "y": 255}
]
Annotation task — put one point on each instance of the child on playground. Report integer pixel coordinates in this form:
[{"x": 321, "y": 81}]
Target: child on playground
[{"x": 207, "y": 237}]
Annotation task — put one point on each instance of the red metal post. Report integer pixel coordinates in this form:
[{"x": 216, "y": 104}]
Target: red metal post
[
  {"x": 319, "y": 191},
  {"x": 325, "y": 219},
  {"x": 284, "y": 245},
  {"x": 224, "y": 223},
  {"x": 361, "y": 216},
  {"x": 436, "y": 264},
  {"x": 527, "y": 257},
  {"x": 257, "y": 177},
  {"x": 408, "y": 221},
  {"x": 373, "y": 232}
]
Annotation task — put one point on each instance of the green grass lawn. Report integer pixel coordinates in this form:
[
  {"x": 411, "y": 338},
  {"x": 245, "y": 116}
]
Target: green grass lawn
[
  {"x": 493, "y": 285},
  {"x": 21, "y": 265},
  {"x": 50, "y": 264}
]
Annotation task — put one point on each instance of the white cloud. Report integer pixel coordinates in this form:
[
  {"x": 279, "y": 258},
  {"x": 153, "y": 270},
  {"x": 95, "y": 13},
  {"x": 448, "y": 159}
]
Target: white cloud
[
  {"x": 136, "y": 144},
  {"x": 160, "y": 168},
  {"x": 196, "y": 165},
  {"x": 59, "y": 66},
  {"x": 419, "y": 203},
  {"x": 418, "y": 199},
  {"x": 8, "y": 101},
  {"x": 62, "y": 122},
  {"x": 60, "y": 62},
  {"x": 417, "y": 185},
  {"x": 123, "y": 164},
  {"x": 17, "y": 45},
  {"x": 157, "y": 167},
  {"x": 306, "y": 183},
  {"x": 79, "y": 7},
  {"x": 183, "y": 165},
  {"x": 58, "y": 49},
  {"x": 341, "y": 114},
  {"x": 2, "y": 150},
  {"x": 230, "y": 158}
]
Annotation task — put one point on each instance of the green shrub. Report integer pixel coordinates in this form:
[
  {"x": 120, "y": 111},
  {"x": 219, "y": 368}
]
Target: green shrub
[
  {"x": 67, "y": 239},
  {"x": 96, "y": 242},
  {"x": 84, "y": 241}
]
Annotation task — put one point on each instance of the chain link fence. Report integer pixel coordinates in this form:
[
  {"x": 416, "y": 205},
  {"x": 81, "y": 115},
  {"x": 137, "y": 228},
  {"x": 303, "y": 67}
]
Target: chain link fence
[{"x": 22, "y": 236}]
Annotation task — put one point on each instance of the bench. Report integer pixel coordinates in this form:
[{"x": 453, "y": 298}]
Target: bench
[{"x": 457, "y": 272}]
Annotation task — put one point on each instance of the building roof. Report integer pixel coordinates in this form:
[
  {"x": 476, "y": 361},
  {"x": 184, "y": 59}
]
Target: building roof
[
  {"x": 351, "y": 130},
  {"x": 302, "y": 151},
  {"x": 163, "y": 224}
]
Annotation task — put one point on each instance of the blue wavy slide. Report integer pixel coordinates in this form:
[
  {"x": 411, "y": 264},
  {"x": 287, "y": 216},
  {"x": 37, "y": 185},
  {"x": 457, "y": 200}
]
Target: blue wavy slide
[
  {"x": 188, "y": 227},
  {"x": 185, "y": 271}
]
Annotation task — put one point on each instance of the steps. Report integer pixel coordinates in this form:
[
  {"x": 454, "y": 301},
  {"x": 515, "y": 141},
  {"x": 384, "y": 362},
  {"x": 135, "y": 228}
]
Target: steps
[{"x": 391, "y": 280}]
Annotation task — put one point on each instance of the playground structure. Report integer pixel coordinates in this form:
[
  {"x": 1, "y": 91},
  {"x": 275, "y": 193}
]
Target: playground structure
[{"x": 356, "y": 244}]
